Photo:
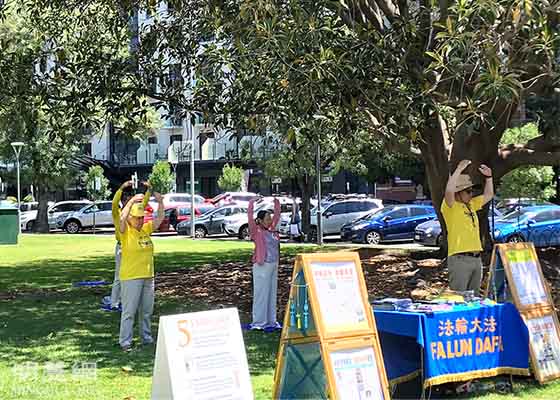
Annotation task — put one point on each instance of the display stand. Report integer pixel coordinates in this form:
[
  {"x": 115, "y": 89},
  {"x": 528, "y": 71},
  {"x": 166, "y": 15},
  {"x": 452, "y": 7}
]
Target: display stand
[
  {"x": 516, "y": 274},
  {"x": 329, "y": 346}
]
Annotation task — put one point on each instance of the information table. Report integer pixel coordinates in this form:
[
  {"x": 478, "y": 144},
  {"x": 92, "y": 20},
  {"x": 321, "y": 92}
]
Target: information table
[{"x": 467, "y": 342}]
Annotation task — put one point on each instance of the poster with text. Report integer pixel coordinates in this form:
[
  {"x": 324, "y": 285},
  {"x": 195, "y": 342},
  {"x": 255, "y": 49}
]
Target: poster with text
[
  {"x": 545, "y": 344},
  {"x": 526, "y": 276},
  {"x": 203, "y": 355},
  {"x": 340, "y": 299},
  {"x": 356, "y": 374}
]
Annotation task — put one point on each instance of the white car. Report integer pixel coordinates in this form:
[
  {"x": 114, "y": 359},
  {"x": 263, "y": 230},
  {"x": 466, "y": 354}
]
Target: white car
[
  {"x": 172, "y": 198},
  {"x": 28, "y": 218},
  {"x": 338, "y": 213},
  {"x": 238, "y": 225},
  {"x": 84, "y": 218},
  {"x": 239, "y": 198}
]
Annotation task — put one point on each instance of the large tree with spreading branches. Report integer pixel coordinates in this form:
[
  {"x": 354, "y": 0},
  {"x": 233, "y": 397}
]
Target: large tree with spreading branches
[{"x": 442, "y": 80}]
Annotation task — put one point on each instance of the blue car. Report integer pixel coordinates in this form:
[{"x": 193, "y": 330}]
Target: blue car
[
  {"x": 537, "y": 224},
  {"x": 396, "y": 222},
  {"x": 429, "y": 233}
]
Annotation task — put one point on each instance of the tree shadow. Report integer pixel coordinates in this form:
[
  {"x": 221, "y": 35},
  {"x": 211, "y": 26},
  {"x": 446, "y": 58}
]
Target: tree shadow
[{"x": 69, "y": 327}]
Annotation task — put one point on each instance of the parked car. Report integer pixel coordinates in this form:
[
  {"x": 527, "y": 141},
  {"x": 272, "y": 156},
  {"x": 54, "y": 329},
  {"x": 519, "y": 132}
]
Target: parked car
[
  {"x": 508, "y": 205},
  {"x": 29, "y": 206},
  {"x": 239, "y": 198},
  {"x": 54, "y": 212},
  {"x": 211, "y": 222},
  {"x": 429, "y": 233},
  {"x": 182, "y": 199},
  {"x": 396, "y": 222},
  {"x": 173, "y": 215},
  {"x": 537, "y": 224},
  {"x": 76, "y": 221},
  {"x": 337, "y": 214},
  {"x": 238, "y": 225},
  {"x": 173, "y": 198}
]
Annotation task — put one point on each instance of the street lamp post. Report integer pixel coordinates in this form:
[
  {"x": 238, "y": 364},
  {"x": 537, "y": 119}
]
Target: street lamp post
[{"x": 17, "y": 146}]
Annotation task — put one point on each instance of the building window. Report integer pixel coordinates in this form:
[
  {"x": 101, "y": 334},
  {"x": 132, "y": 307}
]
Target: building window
[
  {"x": 152, "y": 140},
  {"x": 175, "y": 138},
  {"x": 87, "y": 149}
]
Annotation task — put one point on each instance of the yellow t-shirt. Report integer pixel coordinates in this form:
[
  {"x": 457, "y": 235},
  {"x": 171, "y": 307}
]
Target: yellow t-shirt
[
  {"x": 463, "y": 235},
  {"x": 137, "y": 259},
  {"x": 116, "y": 211}
]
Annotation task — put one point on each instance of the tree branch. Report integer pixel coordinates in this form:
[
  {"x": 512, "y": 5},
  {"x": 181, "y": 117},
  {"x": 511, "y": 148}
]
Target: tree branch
[
  {"x": 388, "y": 8},
  {"x": 521, "y": 156}
]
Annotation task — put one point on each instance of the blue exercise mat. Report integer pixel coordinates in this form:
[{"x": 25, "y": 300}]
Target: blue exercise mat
[{"x": 90, "y": 283}]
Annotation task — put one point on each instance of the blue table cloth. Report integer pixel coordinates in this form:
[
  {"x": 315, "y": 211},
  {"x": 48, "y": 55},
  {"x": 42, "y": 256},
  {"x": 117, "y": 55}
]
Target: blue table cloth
[{"x": 470, "y": 341}]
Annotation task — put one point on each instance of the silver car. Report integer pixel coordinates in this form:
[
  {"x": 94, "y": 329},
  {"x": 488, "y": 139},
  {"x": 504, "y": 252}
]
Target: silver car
[
  {"x": 238, "y": 225},
  {"x": 337, "y": 214},
  {"x": 55, "y": 212},
  {"x": 84, "y": 218}
]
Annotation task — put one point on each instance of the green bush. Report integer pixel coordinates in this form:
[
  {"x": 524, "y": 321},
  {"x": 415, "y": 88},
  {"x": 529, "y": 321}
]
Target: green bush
[
  {"x": 231, "y": 178},
  {"x": 161, "y": 177}
]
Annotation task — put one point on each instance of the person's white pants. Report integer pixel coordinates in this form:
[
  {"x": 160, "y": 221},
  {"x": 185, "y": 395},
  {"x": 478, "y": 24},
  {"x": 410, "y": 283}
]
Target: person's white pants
[
  {"x": 265, "y": 287},
  {"x": 116, "y": 290},
  {"x": 137, "y": 296}
]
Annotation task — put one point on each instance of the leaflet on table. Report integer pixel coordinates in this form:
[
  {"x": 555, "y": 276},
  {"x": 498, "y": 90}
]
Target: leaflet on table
[
  {"x": 525, "y": 274},
  {"x": 356, "y": 374},
  {"x": 545, "y": 344},
  {"x": 339, "y": 295}
]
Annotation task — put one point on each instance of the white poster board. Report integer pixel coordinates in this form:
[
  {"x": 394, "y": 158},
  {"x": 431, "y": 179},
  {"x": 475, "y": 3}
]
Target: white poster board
[
  {"x": 201, "y": 356},
  {"x": 545, "y": 346},
  {"x": 527, "y": 278},
  {"x": 339, "y": 295},
  {"x": 356, "y": 374}
]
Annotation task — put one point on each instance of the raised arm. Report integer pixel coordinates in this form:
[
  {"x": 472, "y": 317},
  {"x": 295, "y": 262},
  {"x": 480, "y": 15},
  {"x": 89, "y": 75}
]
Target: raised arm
[
  {"x": 450, "y": 189},
  {"x": 160, "y": 212},
  {"x": 126, "y": 211},
  {"x": 250, "y": 216},
  {"x": 488, "y": 184},
  {"x": 276, "y": 215},
  {"x": 148, "y": 193},
  {"x": 115, "y": 208}
]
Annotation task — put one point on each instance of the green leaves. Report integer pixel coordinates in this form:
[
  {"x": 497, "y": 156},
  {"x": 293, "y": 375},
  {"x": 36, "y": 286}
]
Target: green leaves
[
  {"x": 97, "y": 185},
  {"x": 161, "y": 177},
  {"x": 231, "y": 178}
]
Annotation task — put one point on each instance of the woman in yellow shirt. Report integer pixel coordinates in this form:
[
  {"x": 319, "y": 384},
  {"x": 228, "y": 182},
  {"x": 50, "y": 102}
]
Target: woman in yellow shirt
[{"x": 137, "y": 269}]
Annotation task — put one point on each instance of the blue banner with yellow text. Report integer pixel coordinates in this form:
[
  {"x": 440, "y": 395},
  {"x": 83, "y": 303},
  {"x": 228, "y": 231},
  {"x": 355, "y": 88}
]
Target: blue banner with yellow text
[
  {"x": 466, "y": 342},
  {"x": 473, "y": 342}
]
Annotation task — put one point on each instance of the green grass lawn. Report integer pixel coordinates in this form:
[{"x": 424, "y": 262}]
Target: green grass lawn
[{"x": 54, "y": 323}]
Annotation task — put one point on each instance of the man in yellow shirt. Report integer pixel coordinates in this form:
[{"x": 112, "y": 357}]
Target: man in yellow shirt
[
  {"x": 463, "y": 237},
  {"x": 116, "y": 213},
  {"x": 137, "y": 269}
]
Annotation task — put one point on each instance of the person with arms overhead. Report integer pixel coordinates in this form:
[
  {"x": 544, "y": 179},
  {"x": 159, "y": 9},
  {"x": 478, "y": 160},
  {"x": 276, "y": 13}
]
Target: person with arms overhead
[
  {"x": 265, "y": 266},
  {"x": 137, "y": 269},
  {"x": 124, "y": 195},
  {"x": 459, "y": 209}
]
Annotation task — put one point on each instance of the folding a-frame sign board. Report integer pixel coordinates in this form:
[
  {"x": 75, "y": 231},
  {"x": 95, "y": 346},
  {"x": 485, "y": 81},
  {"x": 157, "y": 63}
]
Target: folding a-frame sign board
[
  {"x": 329, "y": 347},
  {"x": 516, "y": 274}
]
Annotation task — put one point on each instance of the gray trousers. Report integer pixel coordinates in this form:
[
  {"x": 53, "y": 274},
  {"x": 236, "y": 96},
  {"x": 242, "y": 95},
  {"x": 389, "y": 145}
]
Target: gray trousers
[
  {"x": 116, "y": 290},
  {"x": 465, "y": 273},
  {"x": 137, "y": 297},
  {"x": 265, "y": 287}
]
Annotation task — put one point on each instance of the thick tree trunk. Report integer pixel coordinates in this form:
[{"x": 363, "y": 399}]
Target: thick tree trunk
[
  {"x": 305, "y": 183},
  {"x": 42, "y": 222},
  {"x": 434, "y": 152}
]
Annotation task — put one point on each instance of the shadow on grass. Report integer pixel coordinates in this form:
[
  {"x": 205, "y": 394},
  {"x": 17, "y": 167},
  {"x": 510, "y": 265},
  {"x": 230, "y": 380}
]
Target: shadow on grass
[
  {"x": 69, "y": 327},
  {"x": 61, "y": 273}
]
